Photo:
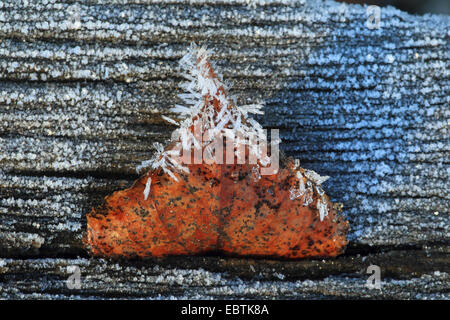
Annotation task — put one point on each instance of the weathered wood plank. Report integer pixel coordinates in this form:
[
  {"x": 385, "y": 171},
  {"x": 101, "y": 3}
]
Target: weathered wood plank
[{"x": 81, "y": 102}]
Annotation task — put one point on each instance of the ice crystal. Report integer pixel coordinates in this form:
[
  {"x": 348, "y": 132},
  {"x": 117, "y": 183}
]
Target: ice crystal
[
  {"x": 314, "y": 176},
  {"x": 308, "y": 199},
  {"x": 162, "y": 159},
  {"x": 323, "y": 208},
  {"x": 147, "y": 188},
  {"x": 307, "y": 190},
  {"x": 296, "y": 193}
]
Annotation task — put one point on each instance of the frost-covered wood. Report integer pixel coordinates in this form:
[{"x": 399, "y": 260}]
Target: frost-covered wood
[
  {"x": 213, "y": 277},
  {"x": 83, "y": 88}
]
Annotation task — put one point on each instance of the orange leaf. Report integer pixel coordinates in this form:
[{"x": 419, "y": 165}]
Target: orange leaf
[{"x": 199, "y": 197}]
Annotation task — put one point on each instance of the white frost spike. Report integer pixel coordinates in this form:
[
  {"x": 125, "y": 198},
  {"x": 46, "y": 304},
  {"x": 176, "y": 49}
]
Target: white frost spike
[
  {"x": 159, "y": 147},
  {"x": 308, "y": 199},
  {"x": 147, "y": 188},
  {"x": 320, "y": 190},
  {"x": 296, "y": 193},
  {"x": 253, "y": 108},
  {"x": 144, "y": 164},
  {"x": 237, "y": 123},
  {"x": 170, "y": 173},
  {"x": 323, "y": 208},
  {"x": 223, "y": 102},
  {"x": 182, "y": 110},
  {"x": 314, "y": 176},
  {"x": 301, "y": 184},
  {"x": 222, "y": 123},
  {"x": 177, "y": 166},
  {"x": 170, "y": 120},
  {"x": 185, "y": 138}
]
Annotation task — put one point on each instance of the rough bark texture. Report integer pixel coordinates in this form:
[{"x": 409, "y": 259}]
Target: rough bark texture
[{"x": 82, "y": 91}]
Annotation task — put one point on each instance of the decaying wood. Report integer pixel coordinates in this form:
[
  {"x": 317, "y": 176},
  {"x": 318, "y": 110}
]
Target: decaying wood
[{"x": 83, "y": 88}]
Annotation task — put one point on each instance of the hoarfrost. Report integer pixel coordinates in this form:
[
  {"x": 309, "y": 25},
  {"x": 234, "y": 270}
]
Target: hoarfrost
[
  {"x": 314, "y": 176},
  {"x": 323, "y": 208},
  {"x": 147, "y": 188}
]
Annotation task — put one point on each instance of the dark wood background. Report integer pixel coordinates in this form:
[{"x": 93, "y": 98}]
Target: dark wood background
[{"x": 83, "y": 86}]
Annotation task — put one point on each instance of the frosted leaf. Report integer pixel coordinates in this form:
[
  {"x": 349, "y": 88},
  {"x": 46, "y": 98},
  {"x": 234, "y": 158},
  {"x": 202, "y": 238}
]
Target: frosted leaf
[
  {"x": 197, "y": 144},
  {"x": 173, "y": 152},
  {"x": 185, "y": 138}
]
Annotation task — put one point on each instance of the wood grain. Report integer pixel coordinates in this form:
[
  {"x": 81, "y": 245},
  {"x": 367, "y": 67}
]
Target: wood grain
[{"x": 83, "y": 87}]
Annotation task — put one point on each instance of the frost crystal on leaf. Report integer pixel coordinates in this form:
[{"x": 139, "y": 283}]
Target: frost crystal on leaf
[
  {"x": 170, "y": 120},
  {"x": 308, "y": 194},
  {"x": 308, "y": 191},
  {"x": 314, "y": 176},
  {"x": 323, "y": 208},
  {"x": 162, "y": 159},
  {"x": 296, "y": 193}
]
